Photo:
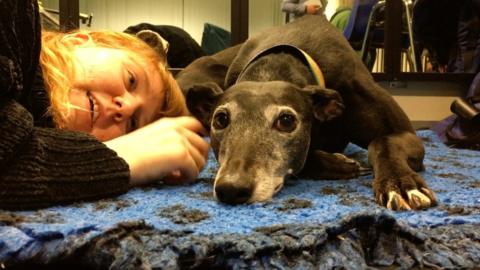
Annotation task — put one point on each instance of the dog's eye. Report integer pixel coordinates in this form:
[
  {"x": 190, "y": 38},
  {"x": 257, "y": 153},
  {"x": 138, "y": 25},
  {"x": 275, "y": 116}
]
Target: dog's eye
[
  {"x": 221, "y": 120},
  {"x": 286, "y": 122}
]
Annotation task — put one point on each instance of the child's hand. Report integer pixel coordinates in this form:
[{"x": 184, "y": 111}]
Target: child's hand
[
  {"x": 169, "y": 147},
  {"x": 312, "y": 9}
]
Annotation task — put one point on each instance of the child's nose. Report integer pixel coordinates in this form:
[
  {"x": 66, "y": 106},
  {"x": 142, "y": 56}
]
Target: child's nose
[{"x": 123, "y": 108}]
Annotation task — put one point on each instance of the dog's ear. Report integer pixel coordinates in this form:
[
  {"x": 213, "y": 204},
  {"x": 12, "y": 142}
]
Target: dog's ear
[
  {"x": 327, "y": 103},
  {"x": 155, "y": 41},
  {"x": 201, "y": 99}
]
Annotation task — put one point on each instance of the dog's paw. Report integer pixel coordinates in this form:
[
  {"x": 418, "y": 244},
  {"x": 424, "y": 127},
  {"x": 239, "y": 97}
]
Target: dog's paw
[
  {"x": 323, "y": 165},
  {"x": 350, "y": 167},
  {"x": 406, "y": 193}
]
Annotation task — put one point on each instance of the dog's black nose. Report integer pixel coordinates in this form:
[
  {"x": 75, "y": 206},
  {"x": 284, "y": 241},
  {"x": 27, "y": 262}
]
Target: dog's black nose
[{"x": 233, "y": 193}]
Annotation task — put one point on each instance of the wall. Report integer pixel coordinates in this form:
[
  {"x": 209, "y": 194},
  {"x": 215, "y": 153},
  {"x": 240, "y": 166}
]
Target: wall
[
  {"x": 427, "y": 102},
  {"x": 263, "y": 14},
  {"x": 187, "y": 14}
]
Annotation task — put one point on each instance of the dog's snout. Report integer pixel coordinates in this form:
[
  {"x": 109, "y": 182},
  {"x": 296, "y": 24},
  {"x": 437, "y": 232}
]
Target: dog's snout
[{"x": 233, "y": 193}]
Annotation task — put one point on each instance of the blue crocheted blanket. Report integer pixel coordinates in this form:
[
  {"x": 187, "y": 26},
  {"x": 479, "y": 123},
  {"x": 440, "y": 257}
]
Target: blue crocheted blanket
[{"x": 308, "y": 225}]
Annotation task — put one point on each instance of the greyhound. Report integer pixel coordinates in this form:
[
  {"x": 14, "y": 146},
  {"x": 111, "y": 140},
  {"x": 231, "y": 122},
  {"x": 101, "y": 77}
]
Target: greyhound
[{"x": 274, "y": 118}]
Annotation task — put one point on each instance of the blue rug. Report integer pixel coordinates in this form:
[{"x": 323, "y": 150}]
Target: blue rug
[{"x": 310, "y": 224}]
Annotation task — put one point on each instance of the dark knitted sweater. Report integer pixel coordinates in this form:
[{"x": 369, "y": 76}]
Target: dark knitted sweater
[{"x": 42, "y": 166}]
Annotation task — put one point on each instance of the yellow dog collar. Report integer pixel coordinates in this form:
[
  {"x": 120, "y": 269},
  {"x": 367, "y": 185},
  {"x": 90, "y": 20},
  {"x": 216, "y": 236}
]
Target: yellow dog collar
[{"x": 307, "y": 59}]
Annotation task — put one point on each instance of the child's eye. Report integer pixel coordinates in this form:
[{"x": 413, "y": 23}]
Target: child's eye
[
  {"x": 133, "y": 124},
  {"x": 131, "y": 81}
]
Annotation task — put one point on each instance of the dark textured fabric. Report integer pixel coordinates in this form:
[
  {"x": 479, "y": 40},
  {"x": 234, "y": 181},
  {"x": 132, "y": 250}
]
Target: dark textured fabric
[
  {"x": 19, "y": 45},
  {"x": 37, "y": 102},
  {"x": 361, "y": 241},
  {"x": 42, "y": 166}
]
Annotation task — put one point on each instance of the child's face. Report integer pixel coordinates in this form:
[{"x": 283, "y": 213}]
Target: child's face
[{"x": 113, "y": 93}]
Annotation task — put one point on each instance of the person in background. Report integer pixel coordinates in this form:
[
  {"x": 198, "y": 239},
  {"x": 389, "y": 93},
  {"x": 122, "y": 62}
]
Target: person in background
[
  {"x": 297, "y": 8},
  {"x": 341, "y": 16},
  {"x": 86, "y": 115}
]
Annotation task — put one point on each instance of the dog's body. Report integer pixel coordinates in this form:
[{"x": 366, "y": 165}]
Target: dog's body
[{"x": 274, "y": 120}]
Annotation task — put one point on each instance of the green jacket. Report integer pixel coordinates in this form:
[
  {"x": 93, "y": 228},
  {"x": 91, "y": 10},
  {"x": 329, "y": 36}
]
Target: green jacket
[{"x": 340, "y": 18}]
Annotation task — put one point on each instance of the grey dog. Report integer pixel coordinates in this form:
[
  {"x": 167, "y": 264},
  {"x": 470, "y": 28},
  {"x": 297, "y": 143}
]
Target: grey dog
[{"x": 269, "y": 117}]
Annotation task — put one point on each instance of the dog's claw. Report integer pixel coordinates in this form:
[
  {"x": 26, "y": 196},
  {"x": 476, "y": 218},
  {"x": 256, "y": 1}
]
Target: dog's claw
[
  {"x": 431, "y": 195},
  {"x": 417, "y": 199},
  {"x": 379, "y": 199},
  {"x": 360, "y": 169},
  {"x": 364, "y": 171},
  {"x": 345, "y": 158},
  {"x": 396, "y": 202}
]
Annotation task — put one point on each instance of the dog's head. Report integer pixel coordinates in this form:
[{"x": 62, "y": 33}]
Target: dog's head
[{"x": 260, "y": 133}]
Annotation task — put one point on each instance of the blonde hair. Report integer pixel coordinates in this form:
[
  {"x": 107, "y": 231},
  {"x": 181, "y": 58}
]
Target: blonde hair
[{"x": 59, "y": 68}]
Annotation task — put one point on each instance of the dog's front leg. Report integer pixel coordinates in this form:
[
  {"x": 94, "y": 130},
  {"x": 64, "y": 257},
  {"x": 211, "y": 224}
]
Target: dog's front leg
[
  {"x": 324, "y": 165},
  {"x": 395, "y": 158}
]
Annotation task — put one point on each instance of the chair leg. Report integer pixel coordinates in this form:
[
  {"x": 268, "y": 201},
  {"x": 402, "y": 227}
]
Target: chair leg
[
  {"x": 410, "y": 60},
  {"x": 369, "y": 31},
  {"x": 366, "y": 36},
  {"x": 407, "y": 4}
]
